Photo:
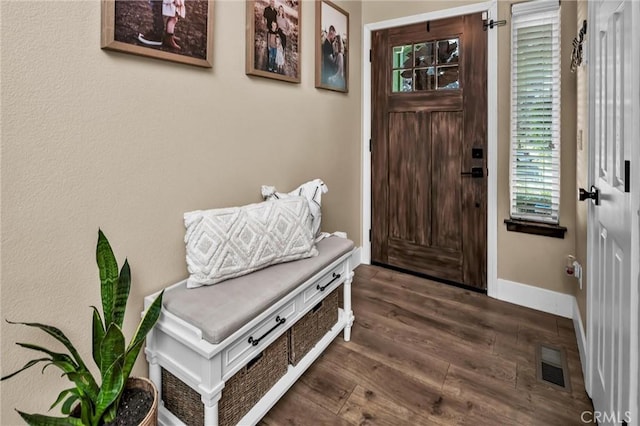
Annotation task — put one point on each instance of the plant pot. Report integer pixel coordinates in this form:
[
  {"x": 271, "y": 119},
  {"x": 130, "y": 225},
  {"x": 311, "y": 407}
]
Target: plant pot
[{"x": 151, "y": 419}]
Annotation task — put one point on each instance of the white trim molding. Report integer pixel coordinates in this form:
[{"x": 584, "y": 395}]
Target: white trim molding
[
  {"x": 532, "y": 297},
  {"x": 491, "y": 8},
  {"x": 581, "y": 337}
]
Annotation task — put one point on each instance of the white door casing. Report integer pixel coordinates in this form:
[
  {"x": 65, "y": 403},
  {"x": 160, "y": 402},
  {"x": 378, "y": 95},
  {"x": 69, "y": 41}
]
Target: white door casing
[{"x": 612, "y": 311}]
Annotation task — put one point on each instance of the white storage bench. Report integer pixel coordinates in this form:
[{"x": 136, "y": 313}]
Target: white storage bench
[{"x": 217, "y": 346}]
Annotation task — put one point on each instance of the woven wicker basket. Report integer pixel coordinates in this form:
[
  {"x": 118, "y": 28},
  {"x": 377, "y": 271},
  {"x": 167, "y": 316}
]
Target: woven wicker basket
[
  {"x": 304, "y": 334},
  {"x": 241, "y": 392},
  {"x": 181, "y": 400}
]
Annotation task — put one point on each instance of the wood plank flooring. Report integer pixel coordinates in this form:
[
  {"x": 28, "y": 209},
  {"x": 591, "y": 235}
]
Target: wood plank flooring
[{"x": 424, "y": 353}]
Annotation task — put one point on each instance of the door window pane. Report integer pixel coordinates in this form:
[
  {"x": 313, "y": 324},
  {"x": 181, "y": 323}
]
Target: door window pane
[
  {"x": 425, "y": 79},
  {"x": 423, "y": 54},
  {"x": 402, "y": 56},
  {"x": 402, "y": 81},
  {"x": 448, "y": 51},
  {"x": 448, "y": 78},
  {"x": 428, "y": 65}
]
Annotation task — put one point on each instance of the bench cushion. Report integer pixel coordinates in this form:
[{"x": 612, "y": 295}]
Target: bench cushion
[{"x": 220, "y": 310}]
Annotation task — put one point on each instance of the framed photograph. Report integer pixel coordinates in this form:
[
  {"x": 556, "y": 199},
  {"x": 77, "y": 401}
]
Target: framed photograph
[
  {"x": 273, "y": 39},
  {"x": 332, "y": 47},
  {"x": 180, "y": 31}
]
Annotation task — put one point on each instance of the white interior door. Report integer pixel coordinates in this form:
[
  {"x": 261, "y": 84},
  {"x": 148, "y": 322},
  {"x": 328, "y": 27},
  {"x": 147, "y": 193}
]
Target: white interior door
[{"x": 613, "y": 227}]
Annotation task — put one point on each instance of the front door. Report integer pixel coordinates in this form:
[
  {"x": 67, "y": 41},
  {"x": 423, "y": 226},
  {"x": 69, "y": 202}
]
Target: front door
[
  {"x": 429, "y": 142},
  {"x": 614, "y": 92}
]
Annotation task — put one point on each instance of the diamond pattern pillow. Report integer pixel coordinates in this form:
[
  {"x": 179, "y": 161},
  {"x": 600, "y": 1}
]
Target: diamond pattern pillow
[
  {"x": 230, "y": 242},
  {"x": 311, "y": 190}
]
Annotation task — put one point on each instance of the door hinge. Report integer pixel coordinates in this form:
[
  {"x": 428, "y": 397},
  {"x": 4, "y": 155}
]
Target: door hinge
[
  {"x": 370, "y": 145},
  {"x": 627, "y": 176},
  {"x": 370, "y": 55},
  {"x": 370, "y": 234}
]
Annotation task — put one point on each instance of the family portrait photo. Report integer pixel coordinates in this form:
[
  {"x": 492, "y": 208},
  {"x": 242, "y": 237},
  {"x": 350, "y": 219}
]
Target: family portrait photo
[
  {"x": 273, "y": 46},
  {"x": 175, "y": 30},
  {"x": 332, "y": 48}
]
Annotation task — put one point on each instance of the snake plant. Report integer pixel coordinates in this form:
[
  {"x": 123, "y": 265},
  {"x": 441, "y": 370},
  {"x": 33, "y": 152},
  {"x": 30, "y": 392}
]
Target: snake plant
[{"x": 98, "y": 403}]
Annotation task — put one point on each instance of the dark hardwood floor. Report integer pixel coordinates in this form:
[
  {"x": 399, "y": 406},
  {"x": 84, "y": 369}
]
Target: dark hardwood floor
[{"x": 424, "y": 353}]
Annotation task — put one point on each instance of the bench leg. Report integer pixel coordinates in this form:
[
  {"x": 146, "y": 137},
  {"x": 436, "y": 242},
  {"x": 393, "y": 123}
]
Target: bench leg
[
  {"x": 211, "y": 415},
  {"x": 347, "y": 307},
  {"x": 211, "y": 409},
  {"x": 155, "y": 371}
]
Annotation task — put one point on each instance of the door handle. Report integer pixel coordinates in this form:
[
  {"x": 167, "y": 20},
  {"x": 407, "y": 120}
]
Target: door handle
[
  {"x": 593, "y": 194},
  {"x": 476, "y": 172}
]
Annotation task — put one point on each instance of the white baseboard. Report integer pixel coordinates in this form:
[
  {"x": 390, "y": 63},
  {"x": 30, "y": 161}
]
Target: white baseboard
[
  {"x": 581, "y": 337},
  {"x": 532, "y": 297}
]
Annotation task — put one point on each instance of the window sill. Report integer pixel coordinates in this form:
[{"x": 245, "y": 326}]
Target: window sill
[{"x": 535, "y": 228}]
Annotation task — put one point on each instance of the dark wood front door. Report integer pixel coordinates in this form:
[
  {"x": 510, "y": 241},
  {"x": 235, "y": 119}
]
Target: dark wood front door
[{"x": 429, "y": 149}]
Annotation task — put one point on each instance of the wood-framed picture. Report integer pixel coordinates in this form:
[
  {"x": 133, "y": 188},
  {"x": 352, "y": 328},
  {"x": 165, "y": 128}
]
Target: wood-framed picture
[
  {"x": 332, "y": 47},
  {"x": 273, "y": 39},
  {"x": 181, "y": 31}
]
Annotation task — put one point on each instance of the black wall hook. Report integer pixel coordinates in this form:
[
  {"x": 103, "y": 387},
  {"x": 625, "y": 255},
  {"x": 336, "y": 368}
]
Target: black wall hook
[{"x": 577, "y": 53}]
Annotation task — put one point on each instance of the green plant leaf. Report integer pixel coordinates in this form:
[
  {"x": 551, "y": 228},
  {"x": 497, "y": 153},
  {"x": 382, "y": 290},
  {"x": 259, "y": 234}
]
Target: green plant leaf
[
  {"x": 86, "y": 414},
  {"x": 148, "y": 321},
  {"x": 108, "y": 267},
  {"x": 112, "y": 357},
  {"x": 59, "y": 336},
  {"x": 122, "y": 294},
  {"x": 65, "y": 367},
  {"x": 40, "y": 420},
  {"x": 55, "y": 356},
  {"x": 110, "y": 413},
  {"x": 67, "y": 407},
  {"x": 61, "y": 397},
  {"x": 27, "y": 365},
  {"x": 98, "y": 335},
  {"x": 130, "y": 358},
  {"x": 111, "y": 349},
  {"x": 85, "y": 383},
  {"x": 112, "y": 385}
]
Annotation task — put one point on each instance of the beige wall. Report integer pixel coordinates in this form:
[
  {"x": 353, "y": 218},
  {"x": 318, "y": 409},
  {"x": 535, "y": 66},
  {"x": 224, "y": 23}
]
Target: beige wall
[
  {"x": 522, "y": 258},
  {"x": 100, "y": 139},
  {"x": 376, "y": 11},
  {"x": 97, "y": 139},
  {"x": 582, "y": 167}
]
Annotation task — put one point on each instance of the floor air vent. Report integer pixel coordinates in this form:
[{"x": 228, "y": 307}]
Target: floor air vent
[{"x": 552, "y": 367}]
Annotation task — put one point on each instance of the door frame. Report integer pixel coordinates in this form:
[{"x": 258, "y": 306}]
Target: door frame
[
  {"x": 635, "y": 203},
  {"x": 491, "y": 7}
]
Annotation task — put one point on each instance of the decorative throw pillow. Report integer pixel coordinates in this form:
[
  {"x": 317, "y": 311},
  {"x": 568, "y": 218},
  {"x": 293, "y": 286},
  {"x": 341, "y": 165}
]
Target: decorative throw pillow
[
  {"x": 230, "y": 242},
  {"x": 311, "y": 190}
]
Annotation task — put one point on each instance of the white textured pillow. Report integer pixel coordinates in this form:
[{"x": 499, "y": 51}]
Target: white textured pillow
[
  {"x": 311, "y": 190},
  {"x": 230, "y": 242}
]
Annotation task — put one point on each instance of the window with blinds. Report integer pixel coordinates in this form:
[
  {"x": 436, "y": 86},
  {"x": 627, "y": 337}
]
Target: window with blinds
[{"x": 535, "y": 111}]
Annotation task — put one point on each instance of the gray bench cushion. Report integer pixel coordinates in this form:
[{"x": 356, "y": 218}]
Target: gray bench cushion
[{"x": 221, "y": 309}]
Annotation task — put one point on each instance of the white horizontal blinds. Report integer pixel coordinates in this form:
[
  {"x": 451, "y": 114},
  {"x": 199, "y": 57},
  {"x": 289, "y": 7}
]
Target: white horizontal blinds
[{"x": 535, "y": 111}]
